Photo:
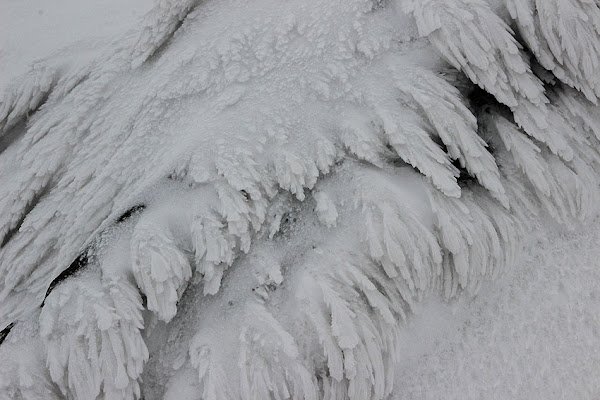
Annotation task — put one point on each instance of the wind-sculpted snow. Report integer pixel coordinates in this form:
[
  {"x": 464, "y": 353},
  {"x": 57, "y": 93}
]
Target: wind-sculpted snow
[
  {"x": 256, "y": 194},
  {"x": 564, "y": 36}
]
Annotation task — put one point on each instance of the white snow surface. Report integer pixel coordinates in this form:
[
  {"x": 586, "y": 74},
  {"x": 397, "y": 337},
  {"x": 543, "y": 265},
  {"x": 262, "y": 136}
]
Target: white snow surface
[
  {"x": 300, "y": 214},
  {"x": 532, "y": 335}
]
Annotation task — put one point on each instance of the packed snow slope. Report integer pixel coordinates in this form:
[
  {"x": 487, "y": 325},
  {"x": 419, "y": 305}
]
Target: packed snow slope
[{"x": 258, "y": 199}]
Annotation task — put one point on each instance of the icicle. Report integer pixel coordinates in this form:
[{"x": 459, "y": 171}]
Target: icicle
[
  {"x": 476, "y": 41},
  {"x": 396, "y": 236},
  {"x": 356, "y": 336},
  {"x": 362, "y": 138},
  {"x": 245, "y": 175},
  {"x": 24, "y": 373},
  {"x": 294, "y": 174},
  {"x": 561, "y": 192},
  {"x": 91, "y": 331},
  {"x": 212, "y": 379},
  {"x": 564, "y": 35},
  {"x": 269, "y": 362},
  {"x": 582, "y": 114},
  {"x": 160, "y": 268},
  {"x": 454, "y": 124},
  {"x": 471, "y": 238},
  {"x": 406, "y": 132},
  {"x": 214, "y": 250}
]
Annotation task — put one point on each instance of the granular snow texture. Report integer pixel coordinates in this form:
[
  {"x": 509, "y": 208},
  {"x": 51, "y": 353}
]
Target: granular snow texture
[{"x": 535, "y": 335}]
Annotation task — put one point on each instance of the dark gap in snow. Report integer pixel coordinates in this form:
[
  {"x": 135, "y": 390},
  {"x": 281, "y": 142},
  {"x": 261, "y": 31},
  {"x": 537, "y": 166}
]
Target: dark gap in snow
[
  {"x": 378, "y": 5},
  {"x": 438, "y": 140},
  {"x": 86, "y": 256},
  {"x": 547, "y": 77},
  {"x": 81, "y": 261},
  {"x": 483, "y": 105},
  {"x": 144, "y": 299},
  {"x": 464, "y": 176},
  {"x": 4, "y": 333},
  {"x": 129, "y": 213},
  {"x": 480, "y": 101}
]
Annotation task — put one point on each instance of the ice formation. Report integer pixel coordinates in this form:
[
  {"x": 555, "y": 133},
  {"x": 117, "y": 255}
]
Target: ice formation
[{"x": 245, "y": 199}]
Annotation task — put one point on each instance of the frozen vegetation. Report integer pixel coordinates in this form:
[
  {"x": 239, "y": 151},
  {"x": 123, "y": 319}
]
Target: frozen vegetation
[{"x": 272, "y": 199}]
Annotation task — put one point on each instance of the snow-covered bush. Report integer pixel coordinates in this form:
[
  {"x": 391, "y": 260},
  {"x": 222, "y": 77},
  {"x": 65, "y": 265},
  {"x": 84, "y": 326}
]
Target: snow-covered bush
[{"x": 246, "y": 199}]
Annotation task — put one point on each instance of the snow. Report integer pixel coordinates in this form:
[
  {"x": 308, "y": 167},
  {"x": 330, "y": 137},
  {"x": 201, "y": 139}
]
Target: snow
[
  {"x": 270, "y": 195},
  {"x": 531, "y": 335}
]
